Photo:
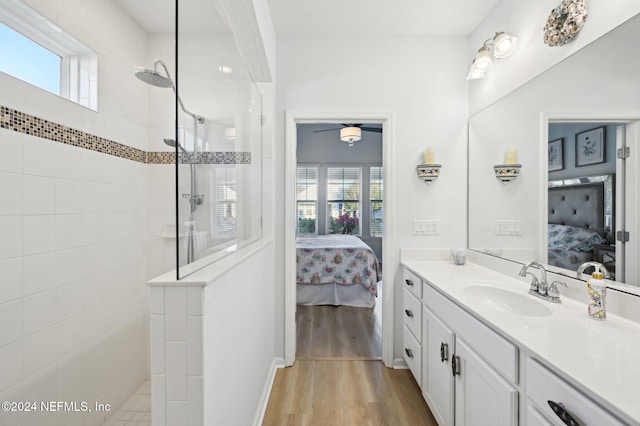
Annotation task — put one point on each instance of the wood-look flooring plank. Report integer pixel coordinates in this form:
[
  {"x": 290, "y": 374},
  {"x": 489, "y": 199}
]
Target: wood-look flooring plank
[
  {"x": 338, "y": 333},
  {"x": 345, "y": 393}
]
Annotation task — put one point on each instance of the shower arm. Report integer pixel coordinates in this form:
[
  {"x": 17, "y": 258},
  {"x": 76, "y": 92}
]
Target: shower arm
[{"x": 196, "y": 118}]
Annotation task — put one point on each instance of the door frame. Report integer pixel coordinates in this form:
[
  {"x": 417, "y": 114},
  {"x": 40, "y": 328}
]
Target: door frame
[{"x": 292, "y": 118}]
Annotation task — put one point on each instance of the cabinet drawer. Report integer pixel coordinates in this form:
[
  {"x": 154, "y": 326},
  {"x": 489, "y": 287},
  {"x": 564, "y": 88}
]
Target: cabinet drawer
[
  {"x": 501, "y": 354},
  {"x": 542, "y": 386},
  {"x": 412, "y": 314},
  {"x": 412, "y": 282},
  {"x": 535, "y": 417},
  {"x": 412, "y": 353}
]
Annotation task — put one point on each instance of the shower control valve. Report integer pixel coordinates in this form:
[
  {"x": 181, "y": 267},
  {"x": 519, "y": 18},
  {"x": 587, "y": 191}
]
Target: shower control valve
[{"x": 197, "y": 199}]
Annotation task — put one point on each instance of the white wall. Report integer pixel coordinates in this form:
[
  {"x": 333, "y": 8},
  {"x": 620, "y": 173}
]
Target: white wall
[
  {"x": 73, "y": 295},
  {"x": 526, "y": 20},
  {"x": 239, "y": 339},
  {"x": 420, "y": 80}
]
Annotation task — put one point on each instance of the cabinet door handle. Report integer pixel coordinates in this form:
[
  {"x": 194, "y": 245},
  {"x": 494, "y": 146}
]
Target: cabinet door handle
[
  {"x": 455, "y": 365},
  {"x": 564, "y": 415},
  {"x": 444, "y": 352},
  {"x": 409, "y": 282},
  {"x": 409, "y": 313},
  {"x": 408, "y": 352}
]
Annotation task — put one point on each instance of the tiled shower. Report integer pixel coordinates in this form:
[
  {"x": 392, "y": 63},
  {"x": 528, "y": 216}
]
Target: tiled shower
[
  {"x": 78, "y": 240},
  {"x": 88, "y": 204}
]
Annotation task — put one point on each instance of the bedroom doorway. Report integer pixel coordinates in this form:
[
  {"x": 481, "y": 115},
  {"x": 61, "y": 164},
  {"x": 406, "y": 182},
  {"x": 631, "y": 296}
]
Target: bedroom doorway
[
  {"x": 591, "y": 154},
  {"x": 339, "y": 239},
  {"x": 322, "y": 174}
]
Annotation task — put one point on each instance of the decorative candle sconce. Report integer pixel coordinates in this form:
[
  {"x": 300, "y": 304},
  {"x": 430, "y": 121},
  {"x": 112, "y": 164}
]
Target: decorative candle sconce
[
  {"x": 429, "y": 171},
  {"x": 510, "y": 169}
]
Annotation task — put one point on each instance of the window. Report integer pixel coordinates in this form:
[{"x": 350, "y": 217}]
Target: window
[
  {"x": 343, "y": 200},
  {"x": 38, "y": 52},
  {"x": 307, "y": 200},
  {"x": 224, "y": 202},
  {"x": 375, "y": 196}
]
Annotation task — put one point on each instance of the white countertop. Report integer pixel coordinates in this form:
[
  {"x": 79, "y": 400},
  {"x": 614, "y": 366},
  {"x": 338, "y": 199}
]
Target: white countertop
[{"x": 600, "y": 357}]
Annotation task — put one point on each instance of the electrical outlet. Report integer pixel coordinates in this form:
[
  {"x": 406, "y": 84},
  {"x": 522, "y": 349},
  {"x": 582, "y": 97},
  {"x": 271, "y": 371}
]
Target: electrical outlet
[
  {"x": 507, "y": 227},
  {"x": 425, "y": 227}
]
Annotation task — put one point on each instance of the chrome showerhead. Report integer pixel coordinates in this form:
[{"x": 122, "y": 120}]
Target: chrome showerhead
[
  {"x": 172, "y": 143},
  {"x": 154, "y": 78}
]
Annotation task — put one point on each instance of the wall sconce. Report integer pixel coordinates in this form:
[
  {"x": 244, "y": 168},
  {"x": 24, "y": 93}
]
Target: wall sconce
[
  {"x": 510, "y": 169},
  {"x": 503, "y": 45},
  {"x": 429, "y": 171}
]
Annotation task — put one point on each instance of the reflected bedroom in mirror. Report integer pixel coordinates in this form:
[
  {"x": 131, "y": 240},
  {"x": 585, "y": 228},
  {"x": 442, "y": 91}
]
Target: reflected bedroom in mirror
[{"x": 575, "y": 128}]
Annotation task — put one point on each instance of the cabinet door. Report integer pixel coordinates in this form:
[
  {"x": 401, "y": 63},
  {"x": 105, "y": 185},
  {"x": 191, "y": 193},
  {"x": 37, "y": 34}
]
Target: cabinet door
[
  {"x": 437, "y": 380},
  {"x": 483, "y": 397}
]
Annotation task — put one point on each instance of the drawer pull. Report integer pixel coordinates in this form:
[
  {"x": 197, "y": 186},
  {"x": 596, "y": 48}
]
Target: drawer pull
[
  {"x": 409, "y": 313},
  {"x": 409, "y": 282},
  {"x": 564, "y": 415},
  {"x": 444, "y": 352},
  {"x": 455, "y": 365},
  {"x": 408, "y": 352}
]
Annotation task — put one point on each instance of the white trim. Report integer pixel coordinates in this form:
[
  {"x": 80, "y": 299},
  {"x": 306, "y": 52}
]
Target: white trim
[
  {"x": 400, "y": 364},
  {"x": 266, "y": 391},
  {"x": 389, "y": 256}
]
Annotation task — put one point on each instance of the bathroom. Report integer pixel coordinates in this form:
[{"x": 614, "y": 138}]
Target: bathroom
[{"x": 82, "y": 228}]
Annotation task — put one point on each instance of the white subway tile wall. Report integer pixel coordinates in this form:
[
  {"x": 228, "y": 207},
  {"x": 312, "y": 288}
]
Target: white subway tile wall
[{"x": 73, "y": 299}]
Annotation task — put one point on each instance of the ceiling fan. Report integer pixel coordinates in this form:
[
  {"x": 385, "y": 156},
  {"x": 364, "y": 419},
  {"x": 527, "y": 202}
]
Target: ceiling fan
[{"x": 351, "y": 133}]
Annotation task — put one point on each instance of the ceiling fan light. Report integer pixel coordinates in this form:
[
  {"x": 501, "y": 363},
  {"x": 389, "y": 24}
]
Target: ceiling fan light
[
  {"x": 350, "y": 135},
  {"x": 504, "y": 45}
]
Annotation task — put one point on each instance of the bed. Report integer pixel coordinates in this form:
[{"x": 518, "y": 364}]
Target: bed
[
  {"x": 580, "y": 218},
  {"x": 336, "y": 270}
]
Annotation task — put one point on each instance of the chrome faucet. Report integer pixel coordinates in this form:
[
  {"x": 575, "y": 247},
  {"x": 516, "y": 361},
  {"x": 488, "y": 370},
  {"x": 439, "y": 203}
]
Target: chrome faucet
[{"x": 540, "y": 288}]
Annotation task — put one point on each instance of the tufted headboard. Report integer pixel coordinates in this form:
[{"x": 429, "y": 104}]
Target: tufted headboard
[{"x": 580, "y": 205}]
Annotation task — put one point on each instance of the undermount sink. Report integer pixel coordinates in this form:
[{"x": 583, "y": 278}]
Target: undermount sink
[{"x": 507, "y": 301}]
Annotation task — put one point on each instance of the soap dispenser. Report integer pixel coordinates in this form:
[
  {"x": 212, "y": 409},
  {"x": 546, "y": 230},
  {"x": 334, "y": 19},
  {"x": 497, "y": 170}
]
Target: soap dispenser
[{"x": 597, "y": 291}]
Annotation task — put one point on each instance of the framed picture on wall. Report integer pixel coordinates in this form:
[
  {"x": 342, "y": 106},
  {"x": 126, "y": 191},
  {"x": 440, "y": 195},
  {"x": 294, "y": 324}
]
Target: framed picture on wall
[
  {"x": 590, "y": 147},
  {"x": 556, "y": 155}
]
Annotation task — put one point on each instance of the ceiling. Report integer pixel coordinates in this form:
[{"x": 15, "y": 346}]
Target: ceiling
[
  {"x": 378, "y": 17},
  {"x": 158, "y": 16},
  {"x": 326, "y": 17}
]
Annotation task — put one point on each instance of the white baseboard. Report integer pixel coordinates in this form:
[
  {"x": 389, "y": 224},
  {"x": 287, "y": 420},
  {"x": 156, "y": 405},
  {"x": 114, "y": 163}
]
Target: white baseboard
[
  {"x": 266, "y": 391},
  {"x": 400, "y": 364}
]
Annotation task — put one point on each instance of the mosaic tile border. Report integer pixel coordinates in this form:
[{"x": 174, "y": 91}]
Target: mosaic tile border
[{"x": 21, "y": 122}]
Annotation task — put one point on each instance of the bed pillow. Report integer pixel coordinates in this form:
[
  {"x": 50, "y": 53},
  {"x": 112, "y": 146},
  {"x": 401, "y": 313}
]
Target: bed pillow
[{"x": 573, "y": 238}]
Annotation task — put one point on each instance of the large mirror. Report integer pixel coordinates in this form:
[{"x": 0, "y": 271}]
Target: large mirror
[{"x": 568, "y": 127}]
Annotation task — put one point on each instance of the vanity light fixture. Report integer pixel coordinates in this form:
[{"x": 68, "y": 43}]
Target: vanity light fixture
[
  {"x": 350, "y": 134},
  {"x": 510, "y": 169},
  {"x": 501, "y": 45},
  {"x": 429, "y": 171}
]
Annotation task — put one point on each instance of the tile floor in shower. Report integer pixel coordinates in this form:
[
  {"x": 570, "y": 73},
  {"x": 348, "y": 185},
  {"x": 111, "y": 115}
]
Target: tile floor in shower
[{"x": 136, "y": 411}]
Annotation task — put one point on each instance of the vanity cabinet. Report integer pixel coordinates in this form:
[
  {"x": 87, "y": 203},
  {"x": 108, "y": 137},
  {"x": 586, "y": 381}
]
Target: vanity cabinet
[
  {"x": 545, "y": 389},
  {"x": 470, "y": 374},
  {"x": 467, "y": 370},
  {"x": 482, "y": 396},
  {"x": 438, "y": 346},
  {"x": 412, "y": 323}
]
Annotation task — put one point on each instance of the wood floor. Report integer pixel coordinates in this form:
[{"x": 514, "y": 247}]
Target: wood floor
[
  {"x": 338, "y": 333},
  {"x": 338, "y": 378},
  {"x": 345, "y": 393}
]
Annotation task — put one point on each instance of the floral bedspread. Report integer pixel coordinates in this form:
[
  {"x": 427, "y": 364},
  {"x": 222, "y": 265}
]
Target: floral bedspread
[
  {"x": 336, "y": 259},
  {"x": 569, "y": 247}
]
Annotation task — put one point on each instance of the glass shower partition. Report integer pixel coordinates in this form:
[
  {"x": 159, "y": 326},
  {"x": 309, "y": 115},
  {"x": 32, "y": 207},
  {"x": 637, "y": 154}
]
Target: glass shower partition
[{"x": 219, "y": 134}]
